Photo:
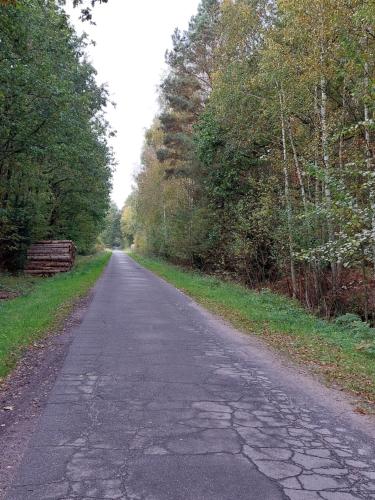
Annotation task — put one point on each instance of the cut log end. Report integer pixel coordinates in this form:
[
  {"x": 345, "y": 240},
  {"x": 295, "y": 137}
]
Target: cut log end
[{"x": 49, "y": 257}]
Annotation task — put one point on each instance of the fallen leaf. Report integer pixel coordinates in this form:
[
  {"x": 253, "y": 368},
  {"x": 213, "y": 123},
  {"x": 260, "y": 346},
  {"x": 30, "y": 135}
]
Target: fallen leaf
[{"x": 360, "y": 410}]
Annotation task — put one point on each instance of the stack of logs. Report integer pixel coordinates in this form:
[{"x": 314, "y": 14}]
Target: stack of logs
[{"x": 46, "y": 258}]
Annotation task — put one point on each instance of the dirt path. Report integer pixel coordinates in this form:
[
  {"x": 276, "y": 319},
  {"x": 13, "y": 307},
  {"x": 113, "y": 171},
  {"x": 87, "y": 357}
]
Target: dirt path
[{"x": 158, "y": 400}]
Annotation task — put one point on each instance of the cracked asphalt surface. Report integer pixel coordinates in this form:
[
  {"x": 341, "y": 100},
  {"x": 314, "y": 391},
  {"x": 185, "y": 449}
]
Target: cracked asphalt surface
[{"x": 157, "y": 400}]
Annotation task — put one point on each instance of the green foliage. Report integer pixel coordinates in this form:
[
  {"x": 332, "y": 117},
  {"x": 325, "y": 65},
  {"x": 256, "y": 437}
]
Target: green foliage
[
  {"x": 347, "y": 320},
  {"x": 86, "y": 7},
  {"x": 55, "y": 164},
  {"x": 112, "y": 236},
  {"x": 360, "y": 330},
  {"x": 128, "y": 221},
  {"x": 264, "y": 164}
]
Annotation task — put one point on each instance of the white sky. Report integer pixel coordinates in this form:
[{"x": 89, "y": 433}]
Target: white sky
[{"x": 131, "y": 39}]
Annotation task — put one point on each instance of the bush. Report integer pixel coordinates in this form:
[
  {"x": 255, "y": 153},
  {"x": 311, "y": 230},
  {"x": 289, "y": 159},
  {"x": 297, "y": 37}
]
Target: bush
[
  {"x": 347, "y": 320},
  {"x": 360, "y": 330}
]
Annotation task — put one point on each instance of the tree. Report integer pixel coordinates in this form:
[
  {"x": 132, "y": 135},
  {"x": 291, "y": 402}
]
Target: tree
[
  {"x": 128, "y": 220},
  {"x": 112, "y": 236},
  {"x": 264, "y": 163},
  {"x": 55, "y": 163},
  {"x": 87, "y": 7},
  {"x": 86, "y": 11}
]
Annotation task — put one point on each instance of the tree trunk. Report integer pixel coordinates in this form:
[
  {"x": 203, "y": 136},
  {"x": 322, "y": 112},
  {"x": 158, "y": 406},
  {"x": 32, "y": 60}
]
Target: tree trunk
[
  {"x": 326, "y": 163},
  {"x": 298, "y": 169},
  {"x": 369, "y": 158},
  {"x": 287, "y": 199}
]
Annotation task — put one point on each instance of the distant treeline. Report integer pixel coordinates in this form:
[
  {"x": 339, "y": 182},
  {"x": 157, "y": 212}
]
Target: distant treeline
[
  {"x": 55, "y": 163},
  {"x": 260, "y": 164}
]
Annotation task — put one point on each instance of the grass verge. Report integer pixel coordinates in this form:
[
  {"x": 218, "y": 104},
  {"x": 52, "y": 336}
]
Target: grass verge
[
  {"x": 13, "y": 285},
  {"x": 42, "y": 306},
  {"x": 325, "y": 347}
]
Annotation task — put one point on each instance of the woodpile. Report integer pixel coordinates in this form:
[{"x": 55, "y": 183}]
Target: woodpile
[{"x": 46, "y": 258}]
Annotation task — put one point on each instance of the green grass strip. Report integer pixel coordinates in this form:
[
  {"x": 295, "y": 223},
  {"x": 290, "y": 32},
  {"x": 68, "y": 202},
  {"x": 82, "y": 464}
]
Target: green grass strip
[
  {"x": 324, "y": 346},
  {"x": 29, "y": 317}
]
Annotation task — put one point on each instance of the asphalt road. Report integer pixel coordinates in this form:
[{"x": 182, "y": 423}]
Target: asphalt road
[{"x": 157, "y": 400}]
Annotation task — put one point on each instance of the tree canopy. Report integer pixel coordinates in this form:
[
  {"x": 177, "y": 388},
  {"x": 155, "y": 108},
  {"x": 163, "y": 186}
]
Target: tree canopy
[
  {"x": 55, "y": 162},
  {"x": 112, "y": 236},
  {"x": 260, "y": 162},
  {"x": 86, "y": 6}
]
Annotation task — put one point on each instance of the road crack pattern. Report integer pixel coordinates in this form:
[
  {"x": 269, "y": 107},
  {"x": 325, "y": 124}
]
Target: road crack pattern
[{"x": 152, "y": 404}]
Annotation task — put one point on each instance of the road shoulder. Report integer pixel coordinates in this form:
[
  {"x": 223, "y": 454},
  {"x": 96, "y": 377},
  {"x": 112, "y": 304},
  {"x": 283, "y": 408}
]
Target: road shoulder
[{"x": 24, "y": 393}]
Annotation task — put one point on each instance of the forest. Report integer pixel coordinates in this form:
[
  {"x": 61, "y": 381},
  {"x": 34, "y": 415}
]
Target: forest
[
  {"x": 55, "y": 161},
  {"x": 259, "y": 166}
]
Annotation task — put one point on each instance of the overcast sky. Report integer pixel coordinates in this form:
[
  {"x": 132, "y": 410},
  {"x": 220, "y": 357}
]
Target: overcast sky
[{"x": 131, "y": 39}]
